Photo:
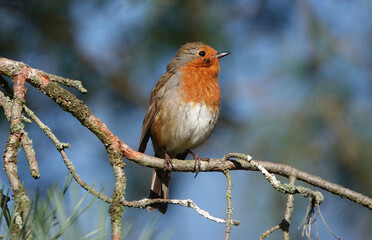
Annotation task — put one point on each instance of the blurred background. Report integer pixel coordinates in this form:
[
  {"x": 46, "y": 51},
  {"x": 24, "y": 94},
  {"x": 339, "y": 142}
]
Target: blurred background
[{"x": 297, "y": 89}]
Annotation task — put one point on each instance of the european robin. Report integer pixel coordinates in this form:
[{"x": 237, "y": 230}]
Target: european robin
[{"x": 183, "y": 111}]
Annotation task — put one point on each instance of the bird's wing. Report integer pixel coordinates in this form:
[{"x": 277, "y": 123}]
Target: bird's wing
[
  {"x": 147, "y": 122},
  {"x": 156, "y": 94}
]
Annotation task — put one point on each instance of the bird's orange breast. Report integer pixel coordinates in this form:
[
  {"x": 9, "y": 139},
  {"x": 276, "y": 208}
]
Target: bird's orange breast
[{"x": 200, "y": 84}]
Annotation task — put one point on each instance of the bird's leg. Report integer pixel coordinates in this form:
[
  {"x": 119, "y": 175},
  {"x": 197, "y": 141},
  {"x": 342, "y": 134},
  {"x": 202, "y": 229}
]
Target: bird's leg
[
  {"x": 197, "y": 160},
  {"x": 168, "y": 163}
]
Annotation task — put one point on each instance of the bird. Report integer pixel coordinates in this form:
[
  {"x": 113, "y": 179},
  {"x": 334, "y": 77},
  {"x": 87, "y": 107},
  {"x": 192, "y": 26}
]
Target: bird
[{"x": 183, "y": 111}]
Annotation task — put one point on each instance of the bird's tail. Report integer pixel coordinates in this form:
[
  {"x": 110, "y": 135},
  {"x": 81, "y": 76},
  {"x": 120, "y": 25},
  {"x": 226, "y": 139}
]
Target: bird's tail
[{"x": 159, "y": 189}]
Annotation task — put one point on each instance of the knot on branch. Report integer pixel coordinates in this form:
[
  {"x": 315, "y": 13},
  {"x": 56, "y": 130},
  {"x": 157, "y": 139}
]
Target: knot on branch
[
  {"x": 284, "y": 225},
  {"x": 62, "y": 146},
  {"x": 17, "y": 128},
  {"x": 115, "y": 156}
]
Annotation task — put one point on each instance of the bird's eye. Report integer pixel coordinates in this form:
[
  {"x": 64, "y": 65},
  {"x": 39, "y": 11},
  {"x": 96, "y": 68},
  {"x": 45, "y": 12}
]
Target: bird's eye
[{"x": 202, "y": 53}]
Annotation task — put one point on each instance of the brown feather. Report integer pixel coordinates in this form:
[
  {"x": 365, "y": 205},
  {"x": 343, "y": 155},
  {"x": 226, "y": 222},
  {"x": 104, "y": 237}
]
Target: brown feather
[
  {"x": 152, "y": 111},
  {"x": 147, "y": 122}
]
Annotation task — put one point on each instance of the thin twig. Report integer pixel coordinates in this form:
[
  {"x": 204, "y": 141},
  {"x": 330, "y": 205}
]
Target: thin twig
[
  {"x": 65, "y": 81},
  {"x": 229, "y": 210},
  {"x": 10, "y": 68},
  {"x": 46, "y": 129},
  {"x": 325, "y": 224},
  {"x": 26, "y": 144},
  {"x": 60, "y": 147},
  {"x": 284, "y": 188},
  {"x": 309, "y": 218},
  {"x": 81, "y": 182},
  {"x": 269, "y": 231},
  {"x": 143, "y": 203}
]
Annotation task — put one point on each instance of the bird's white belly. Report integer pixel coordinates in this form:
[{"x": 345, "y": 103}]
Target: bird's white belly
[{"x": 193, "y": 124}]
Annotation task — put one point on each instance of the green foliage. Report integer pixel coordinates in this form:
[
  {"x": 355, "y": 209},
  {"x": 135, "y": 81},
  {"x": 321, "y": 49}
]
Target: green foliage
[
  {"x": 58, "y": 215},
  {"x": 54, "y": 217}
]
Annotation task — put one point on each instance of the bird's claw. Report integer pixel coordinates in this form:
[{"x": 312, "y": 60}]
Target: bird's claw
[
  {"x": 168, "y": 166},
  {"x": 197, "y": 160}
]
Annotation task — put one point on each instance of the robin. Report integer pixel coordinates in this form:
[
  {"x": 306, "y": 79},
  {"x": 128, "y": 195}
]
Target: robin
[{"x": 183, "y": 111}]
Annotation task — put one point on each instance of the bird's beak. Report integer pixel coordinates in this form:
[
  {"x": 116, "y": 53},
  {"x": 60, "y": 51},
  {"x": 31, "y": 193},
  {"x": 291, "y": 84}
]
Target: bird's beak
[{"x": 221, "y": 54}]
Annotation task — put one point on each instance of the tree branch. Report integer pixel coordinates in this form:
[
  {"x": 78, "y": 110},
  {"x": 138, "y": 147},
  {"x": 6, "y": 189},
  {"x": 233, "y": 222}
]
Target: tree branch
[
  {"x": 11, "y": 152},
  {"x": 25, "y": 141},
  {"x": 219, "y": 165},
  {"x": 286, "y": 222}
]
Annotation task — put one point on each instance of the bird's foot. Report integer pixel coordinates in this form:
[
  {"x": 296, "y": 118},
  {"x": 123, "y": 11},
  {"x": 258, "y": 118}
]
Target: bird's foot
[
  {"x": 197, "y": 160},
  {"x": 168, "y": 166}
]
